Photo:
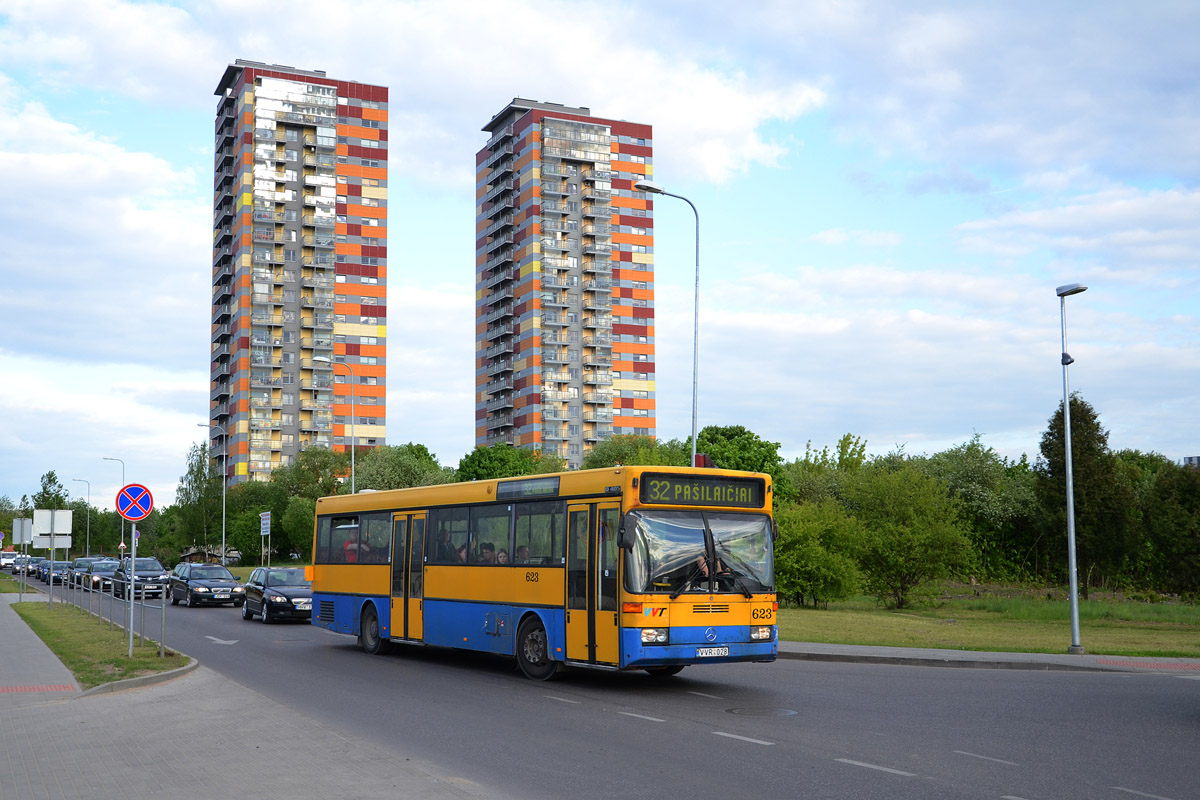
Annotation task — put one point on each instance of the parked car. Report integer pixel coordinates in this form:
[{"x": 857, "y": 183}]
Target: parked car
[
  {"x": 7, "y": 559},
  {"x": 149, "y": 578},
  {"x": 75, "y": 571},
  {"x": 277, "y": 593},
  {"x": 98, "y": 575},
  {"x": 197, "y": 584}
]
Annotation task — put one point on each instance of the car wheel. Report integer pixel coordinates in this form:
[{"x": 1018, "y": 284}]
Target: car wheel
[
  {"x": 174, "y": 599},
  {"x": 368, "y": 636},
  {"x": 266, "y": 614},
  {"x": 191, "y": 601},
  {"x": 247, "y": 614},
  {"x": 533, "y": 651}
]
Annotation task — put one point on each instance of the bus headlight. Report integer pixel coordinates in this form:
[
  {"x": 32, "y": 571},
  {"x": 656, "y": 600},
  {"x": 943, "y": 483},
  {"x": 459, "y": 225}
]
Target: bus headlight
[
  {"x": 760, "y": 633},
  {"x": 654, "y": 635}
]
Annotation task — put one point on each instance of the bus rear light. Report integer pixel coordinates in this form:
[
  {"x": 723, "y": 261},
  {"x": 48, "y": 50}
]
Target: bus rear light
[
  {"x": 775, "y": 606},
  {"x": 654, "y": 635},
  {"x": 631, "y": 608}
]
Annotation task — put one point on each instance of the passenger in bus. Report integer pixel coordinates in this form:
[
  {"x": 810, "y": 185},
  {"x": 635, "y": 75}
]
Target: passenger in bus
[
  {"x": 350, "y": 550},
  {"x": 502, "y": 557},
  {"x": 487, "y": 553},
  {"x": 522, "y": 555},
  {"x": 462, "y": 554},
  {"x": 719, "y": 569},
  {"x": 445, "y": 550}
]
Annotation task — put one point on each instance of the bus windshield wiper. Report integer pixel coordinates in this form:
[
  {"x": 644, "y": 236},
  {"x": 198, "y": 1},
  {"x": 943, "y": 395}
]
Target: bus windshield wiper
[
  {"x": 701, "y": 564},
  {"x": 738, "y": 583}
]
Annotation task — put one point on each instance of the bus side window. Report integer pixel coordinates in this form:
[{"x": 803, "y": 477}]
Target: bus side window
[
  {"x": 374, "y": 543},
  {"x": 490, "y": 528},
  {"x": 321, "y": 552},
  {"x": 450, "y": 527},
  {"x": 538, "y": 533}
]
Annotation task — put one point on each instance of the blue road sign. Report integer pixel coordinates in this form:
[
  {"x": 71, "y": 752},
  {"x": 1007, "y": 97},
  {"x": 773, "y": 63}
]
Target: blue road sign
[{"x": 134, "y": 502}]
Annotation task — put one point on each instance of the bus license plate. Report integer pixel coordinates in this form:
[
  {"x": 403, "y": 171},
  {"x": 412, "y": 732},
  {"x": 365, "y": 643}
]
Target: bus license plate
[{"x": 708, "y": 652}]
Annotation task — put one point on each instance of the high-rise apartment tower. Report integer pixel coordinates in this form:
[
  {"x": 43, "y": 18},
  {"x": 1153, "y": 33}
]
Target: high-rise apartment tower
[
  {"x": 299, "y": 304},
  {"x": 564, "y": 279}
]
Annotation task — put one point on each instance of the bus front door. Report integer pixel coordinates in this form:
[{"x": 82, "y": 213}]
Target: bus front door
[
  {"x": 408, "y": 561},
  {"x": 593, "y": 635}
]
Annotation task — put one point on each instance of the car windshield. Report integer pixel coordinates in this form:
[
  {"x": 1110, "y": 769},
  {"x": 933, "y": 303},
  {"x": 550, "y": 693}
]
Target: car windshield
[
  {"x": 103, "y": 566},
  {"x": 672, "y": 554},
  {"x": 210, "y": 572},
  {"x": 148, "y": 565},
  {"x": 286, "y": 577}
]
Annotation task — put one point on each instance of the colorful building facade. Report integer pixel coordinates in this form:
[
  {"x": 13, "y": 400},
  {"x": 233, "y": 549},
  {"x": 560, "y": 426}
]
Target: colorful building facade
[
  {"x": 299, "y": 303},
  {"x": 564, "y": 278}
]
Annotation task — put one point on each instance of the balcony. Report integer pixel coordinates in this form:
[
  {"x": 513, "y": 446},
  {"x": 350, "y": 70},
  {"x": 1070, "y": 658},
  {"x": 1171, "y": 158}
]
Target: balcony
[
  {"x": 598, "y": 416},
  {"x": 320, "y": 321},
  {"x": 502, "y": 239},
  {"x": 554, "y": 207},
  {"x": 554, "y": 413},
  {"x": 500, "y": 349},
  {"x": 598, "y": 398},
  {"x": 315, "y": 280},
  {"x": 267, "y": 258},
  {"x": 265, "y": 424},
  {"x": 308, "y": 363},
  {"x": 263, "y": 380},
  {"x": 561, "y": 170},
  {"x": 505, "y": 221},
  {"x": 267, "y": 216},
  {"x": 500, "y": 401},
  {"x": 499, "y": 276},
  {"x": 597, "y": 210},
  {"x": 497, "y": 367},
  {"x": 555, "y": 396},
  {"x": 598, "y": 285},
  {"x": 598, "y": 266},
  {"x": 556, "y": 377},
  {"x": 317, "y": 302},
  {"x": 597, "y": 322},
  {"x": 261, "y": 360},
  {"x": 261, "y": 298},
  {"x": 598, "y": 229},
  {"x": 554, "y": 188},
  {"x": 497, "y": 153},
  {"x": 600, "y": 340},
  {"x": 598, "y": 378},
  {"x": 265, "y": 318},
  {"x": 314, "y": 221},
  {"x": 558, "y": 245},
  {"x": 498, "y": 296},
  {"x": 554, "y": 263},
  {"x": 316, "y": 384},
  {"x": 552, "y": 337},
  {"x": 499, "y": 421},
  {"x": 319, "y": 240},
  {"x": 598, "y": 360},
  {"x": 499, "y": 385},
  {"x": 555, "y": 320},
  {"x": 497, "y": 331},
  {"x": 507, "y": 438},
  {"x": 315, "y": 404},
  {"x": 554, "y": 358},
  {"x": 554, "y": 433},
  {"x": 593, "y": 247},
  {"x": 500, "y": 135},
  {"x": 504, "y": 256},
  {"x": 498, "y": 313},
  {"x": 322, "y": 260},
  {"x": 554, "y": 300},
  {"x": 598, "y": 433},
  {"x": 498, "y": 189}
]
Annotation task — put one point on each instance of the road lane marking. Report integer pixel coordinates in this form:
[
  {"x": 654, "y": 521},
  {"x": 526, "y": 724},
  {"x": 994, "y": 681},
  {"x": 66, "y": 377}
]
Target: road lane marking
[
  {"x": 641, "y": 716},
  {"x": 709, "y": 696},
  {"x": 743, "y": 738},
  {"x": 987, "y": 758},
  {"x": 1141, "y": 794},
  {"x": 876, "y": 766},
  {"x": 215, "y": 640},
  {"x": 562, "y": 699},
  {"x": 1010, "y": 797}
]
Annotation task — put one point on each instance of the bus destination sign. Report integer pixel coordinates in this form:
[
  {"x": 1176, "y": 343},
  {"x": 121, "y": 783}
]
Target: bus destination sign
[{"x": 703, "y": 490}]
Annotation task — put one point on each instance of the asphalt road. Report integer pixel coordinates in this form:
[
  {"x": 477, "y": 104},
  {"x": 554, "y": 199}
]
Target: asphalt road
[{"x": 788, "y": 729}]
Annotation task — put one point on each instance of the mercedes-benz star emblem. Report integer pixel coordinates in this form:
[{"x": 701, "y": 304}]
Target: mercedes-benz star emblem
[{"x": 710, "y": 635}]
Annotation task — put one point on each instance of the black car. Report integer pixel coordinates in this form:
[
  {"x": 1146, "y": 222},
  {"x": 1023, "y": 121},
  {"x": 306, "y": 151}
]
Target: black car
[
  {"x": 149, "y": 578},
  {"x": 98, "y": 575},
  {"x": 197, "y": 584},
  {"x": 278, "y": 593},
  {"x": 56, "y": 573}
]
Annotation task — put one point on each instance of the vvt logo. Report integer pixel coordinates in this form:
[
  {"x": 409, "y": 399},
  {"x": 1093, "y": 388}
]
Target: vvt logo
[{"x": 654, "y": 612}]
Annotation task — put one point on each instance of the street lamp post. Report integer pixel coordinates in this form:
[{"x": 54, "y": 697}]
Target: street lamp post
[
  {"x": 654, "y": 188},
  {"x": 89, "y": 512},
  {"x": 224, "y": 478},
  {"x": 1063, "y": 293},
  {"x": 106, "y": 458},
  {"x": 335, "y": 365}
]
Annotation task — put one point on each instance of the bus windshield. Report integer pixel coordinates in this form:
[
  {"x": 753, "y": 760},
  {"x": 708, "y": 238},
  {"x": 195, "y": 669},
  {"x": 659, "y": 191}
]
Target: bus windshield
[{"x": 672, "y": 554}]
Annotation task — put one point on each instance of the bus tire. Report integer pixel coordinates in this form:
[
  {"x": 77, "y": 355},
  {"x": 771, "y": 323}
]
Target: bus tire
[
  {"x": 665, "y": 672},
  {"x": 533, "y": 651},
  {"x": 368, "y": 637}
]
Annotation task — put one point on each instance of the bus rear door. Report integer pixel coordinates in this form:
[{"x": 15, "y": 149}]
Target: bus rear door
[
  {"x": 408, "y": 563},
  {"x": 593, "y": 635}
]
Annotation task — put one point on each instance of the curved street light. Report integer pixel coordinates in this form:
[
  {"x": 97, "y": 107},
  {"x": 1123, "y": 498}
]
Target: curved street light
[
  {"x": 654, "y": 188},
  {"x": 1063, "y": 293}
]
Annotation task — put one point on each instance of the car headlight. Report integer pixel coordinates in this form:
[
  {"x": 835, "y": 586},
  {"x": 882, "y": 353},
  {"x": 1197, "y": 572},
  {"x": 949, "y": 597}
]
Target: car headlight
[
  {"x": 760, "y": 633},
  {"x": 654, "y": 635},
  {"x": 239, "y": 588},
  {"x": 200, "y": 589},
  {"x": 278, "y": 598}
]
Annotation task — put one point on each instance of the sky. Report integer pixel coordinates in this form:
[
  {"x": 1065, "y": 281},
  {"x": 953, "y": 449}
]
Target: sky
[{"x": 888, "y": 194}]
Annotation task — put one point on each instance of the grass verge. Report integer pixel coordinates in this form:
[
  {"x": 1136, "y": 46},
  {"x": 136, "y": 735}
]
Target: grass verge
[
  {"x": 1017, "y": 625},
  {"x": 92, "y": 652}
]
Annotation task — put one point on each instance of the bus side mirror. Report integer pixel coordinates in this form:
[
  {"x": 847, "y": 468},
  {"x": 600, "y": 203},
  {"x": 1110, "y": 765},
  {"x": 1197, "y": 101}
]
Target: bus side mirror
[
  {"x": 624, "y": 538},
  {"x": 774, "y": 531}
]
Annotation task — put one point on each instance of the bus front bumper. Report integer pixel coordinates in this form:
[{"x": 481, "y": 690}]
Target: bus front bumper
[{"x": 693, "y": 645}]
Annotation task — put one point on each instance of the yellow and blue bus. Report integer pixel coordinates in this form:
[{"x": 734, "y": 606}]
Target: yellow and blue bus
[{"x": 627, "y": 568}]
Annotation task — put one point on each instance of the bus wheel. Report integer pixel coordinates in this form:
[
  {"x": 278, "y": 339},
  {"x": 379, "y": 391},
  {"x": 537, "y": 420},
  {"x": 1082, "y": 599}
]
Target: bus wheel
[
  {"x": 372, "y": 643},
  {"x": 665, "y": 672},
  {"x": 533, "y": 651}
]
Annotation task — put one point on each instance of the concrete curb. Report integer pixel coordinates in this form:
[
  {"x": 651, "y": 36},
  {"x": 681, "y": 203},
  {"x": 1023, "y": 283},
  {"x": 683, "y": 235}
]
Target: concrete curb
[
  {"x": 142, "y": 680},
  {"x": 969, "y": 663}
]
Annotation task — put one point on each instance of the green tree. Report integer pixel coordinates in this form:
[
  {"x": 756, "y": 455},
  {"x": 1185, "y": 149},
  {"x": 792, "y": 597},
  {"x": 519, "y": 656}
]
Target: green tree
[
  {"x": 298, "y": 524},
  {"x": 316, "y": 472},
  {"x": 1172, "y": 522},
  {"x": 812, "y": 555},
  {"x": 198, "y": 496},
  {"x": 1105, "y": 501},
  {"x": 820, "y": 475},
  {"x": 997, "y": 503},
  {"x": 505, "y": 461},
  {"x": 631, "y": 450},
  {"x": 913, "y": 532},
  {"x": 52, "y": 495},
  {"x": 400, "y": 467}
]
